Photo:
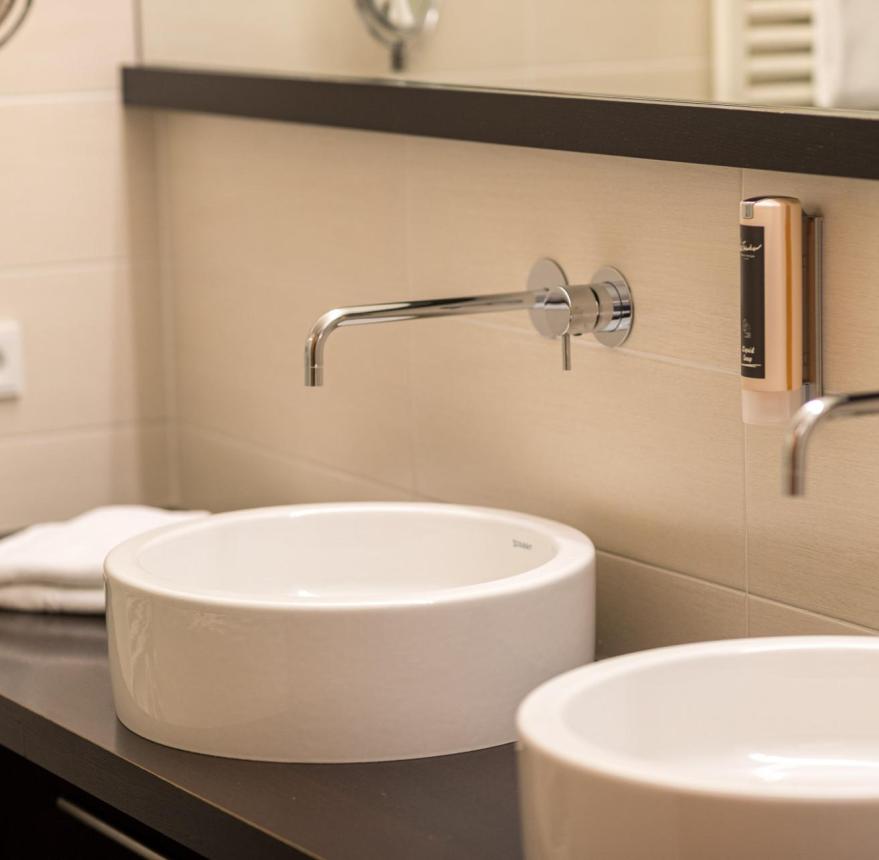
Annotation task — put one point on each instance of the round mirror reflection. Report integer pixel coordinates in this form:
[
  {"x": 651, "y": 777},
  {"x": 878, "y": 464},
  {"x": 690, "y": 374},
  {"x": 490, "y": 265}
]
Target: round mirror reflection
[{"x": 396, "y": 23}]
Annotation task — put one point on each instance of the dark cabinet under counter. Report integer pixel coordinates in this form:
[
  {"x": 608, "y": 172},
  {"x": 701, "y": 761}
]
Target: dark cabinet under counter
[
  {"x": 46, "y": 817},
  {"x": 60, "y": 734}
]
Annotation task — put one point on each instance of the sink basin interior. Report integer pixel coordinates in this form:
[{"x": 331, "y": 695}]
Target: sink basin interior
[
  {"x": 765, "y": 716},
  {"x": 373, "y": 553}
]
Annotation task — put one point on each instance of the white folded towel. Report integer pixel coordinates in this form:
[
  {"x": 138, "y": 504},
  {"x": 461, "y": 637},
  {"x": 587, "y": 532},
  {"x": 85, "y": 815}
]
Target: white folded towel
[
  {"x": 58, "y": 567},
  {"x": 847, "y": 53},
  {"x": 50, "y": 598}
]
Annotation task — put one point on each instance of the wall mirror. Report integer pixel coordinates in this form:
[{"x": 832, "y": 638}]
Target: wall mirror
[
  {"x": 816, "y": 59},
  {"x": 800, "y": 53}
]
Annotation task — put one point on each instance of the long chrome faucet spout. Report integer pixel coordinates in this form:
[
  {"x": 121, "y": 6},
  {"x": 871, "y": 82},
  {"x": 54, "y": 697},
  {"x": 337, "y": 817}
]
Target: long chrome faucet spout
[
  {"x": 807, "y": 420},
  {"x": 558, "y": 310},
  {"x": 399, "y": 311}
]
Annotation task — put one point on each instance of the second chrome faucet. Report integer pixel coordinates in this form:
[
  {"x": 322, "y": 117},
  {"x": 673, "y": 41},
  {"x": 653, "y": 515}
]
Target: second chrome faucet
[{"x": 558, "y": 310}]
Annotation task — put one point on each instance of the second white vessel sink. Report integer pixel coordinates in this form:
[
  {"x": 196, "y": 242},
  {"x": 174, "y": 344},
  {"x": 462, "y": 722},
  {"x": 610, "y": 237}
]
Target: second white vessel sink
[
  {"x": 347, "y": 632},
  {"x": 764, "y": 749}
]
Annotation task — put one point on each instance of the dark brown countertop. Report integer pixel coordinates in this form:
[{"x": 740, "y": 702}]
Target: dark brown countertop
[{"x": 56, "y": 711}]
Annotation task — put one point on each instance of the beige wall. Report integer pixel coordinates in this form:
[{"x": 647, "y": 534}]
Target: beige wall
[
  {"x": 656, "y": 48},
  {"x": 262, "y": 226},
  {"x": 78, "y": 269},
  {"x": 269, "y": 224}
]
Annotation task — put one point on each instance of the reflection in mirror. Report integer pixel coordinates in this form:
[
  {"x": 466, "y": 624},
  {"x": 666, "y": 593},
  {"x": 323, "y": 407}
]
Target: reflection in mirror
[
  {"x": 779, "y": 53},
  {"x": 396, "y": 23},
  {"x": 12, "y": 15}
]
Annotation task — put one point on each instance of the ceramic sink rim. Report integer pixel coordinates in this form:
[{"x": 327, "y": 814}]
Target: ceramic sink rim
[
  {"x": 541, "y": 724},
  {"x": 123, "y": 563}
]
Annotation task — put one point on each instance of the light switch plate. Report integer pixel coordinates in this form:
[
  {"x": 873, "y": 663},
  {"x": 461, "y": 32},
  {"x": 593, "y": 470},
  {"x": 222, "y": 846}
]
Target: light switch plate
[{"x": 11, "y": 365}]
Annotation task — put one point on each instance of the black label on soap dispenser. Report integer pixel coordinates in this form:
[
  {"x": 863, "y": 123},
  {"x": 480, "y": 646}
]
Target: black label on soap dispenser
[{"x": 753, "y": 303}]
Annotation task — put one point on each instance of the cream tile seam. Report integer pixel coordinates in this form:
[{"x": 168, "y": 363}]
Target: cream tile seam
[
  {"x": 745, "y": 453},
  {"x": 60, "y": 97},
  {"x": 412, "y": 435},
  {"x": 630, "y": 559},
  {"x": 167, "y": 298},
  {"x": 16, "y": 438},
  {"x": 530, "y": 20},
  {"x": 589, "y": 343},
  {"x": 816, "y": 615},
  {"x": 696, "y": 580},
  {"x": 318, "y": 465},
  {"x": 137, "y": 30},
  {"x": 62, "y": 267},
  {"x": 680, "y": 63},
  {"x": 842, "y": 619},
  {"x": 536, "y": 69}
]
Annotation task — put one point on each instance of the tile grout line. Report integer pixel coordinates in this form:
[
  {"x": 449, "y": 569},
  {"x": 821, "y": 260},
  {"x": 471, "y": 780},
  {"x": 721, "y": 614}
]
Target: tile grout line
[
  {"x": 412, "y": 434},
  {"x": 167, "y": 300},
  {"x": 589, "y": 345},
  {"x": 746, "y": 450},
  {"x": 254, "y": 447},
  {"x": 68, "y": 97},
  {"x": 63, "y": 267},
  {"x": 137, "y": 30},
  {"x": 690, "y": 577},
  {"x": 819, "y": 615},
  {"x": 48, "y": 434}
]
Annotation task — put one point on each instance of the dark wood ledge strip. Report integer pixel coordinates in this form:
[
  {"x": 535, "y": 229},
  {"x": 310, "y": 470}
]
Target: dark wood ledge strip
[{"x": 766, "y": 139}]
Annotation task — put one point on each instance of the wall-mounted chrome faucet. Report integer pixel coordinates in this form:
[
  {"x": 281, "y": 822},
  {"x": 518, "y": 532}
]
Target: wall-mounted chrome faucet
[
  {"x": 806, "y": 421},
  {"x": 558, "y": 310}
]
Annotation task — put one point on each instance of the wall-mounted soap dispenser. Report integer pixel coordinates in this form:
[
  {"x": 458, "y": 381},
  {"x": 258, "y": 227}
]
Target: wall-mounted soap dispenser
[{"x": 780, "y": 310}]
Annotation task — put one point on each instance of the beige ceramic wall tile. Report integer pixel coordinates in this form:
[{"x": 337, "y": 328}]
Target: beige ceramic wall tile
[
  {"x": 767, "y": 618},
  {"x": 272, "y": 225},
  {"x": 662, "y": 79},
  {"x": 221, "y": 474},
  {"x": 643, "y": 607},
  {"x": 321, "y": 37},
  {"x": 308, "y": 36},
  {"x": 77, "y": 180},
  {"x": 645, "y": 457},
  {"x": 688, "y": 78},
  {"x": 55, "y": 476},
  {"x": 472, "y": 43},
  {"x": 475, "y": 35},
  {"x": 91, "y": 344},
  {"x": 563, "y": 31},
  {"x": 64, "y": 46},
  {"x": 851, "y": 269},
  {"x": 481, "y": 215},
  {"x": 820, "y": 551}
]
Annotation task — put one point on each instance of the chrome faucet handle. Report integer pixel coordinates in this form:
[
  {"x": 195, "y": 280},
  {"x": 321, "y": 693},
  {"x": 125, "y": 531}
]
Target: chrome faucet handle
[{"x": 603, "y": 308}]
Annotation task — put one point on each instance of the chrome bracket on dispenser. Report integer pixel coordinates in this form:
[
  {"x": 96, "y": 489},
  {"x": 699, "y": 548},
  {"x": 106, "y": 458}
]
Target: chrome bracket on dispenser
[{"x": 813, "y": 353}]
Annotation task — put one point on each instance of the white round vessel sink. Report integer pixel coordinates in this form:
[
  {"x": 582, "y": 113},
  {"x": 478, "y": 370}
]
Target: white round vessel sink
[
  {"x": 344, "y": 632},
  {"x": 760, "y": 749}
]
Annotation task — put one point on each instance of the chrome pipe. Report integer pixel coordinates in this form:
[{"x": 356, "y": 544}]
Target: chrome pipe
[
  {"x": 400, "y": 311},
  {"x": 558, "y": 310},
  {"x": 808, "y": 418}
]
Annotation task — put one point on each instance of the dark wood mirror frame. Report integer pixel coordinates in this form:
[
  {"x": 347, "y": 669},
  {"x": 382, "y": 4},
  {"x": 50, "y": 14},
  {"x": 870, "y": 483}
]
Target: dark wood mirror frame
[{"x": 834, "y": 144}]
